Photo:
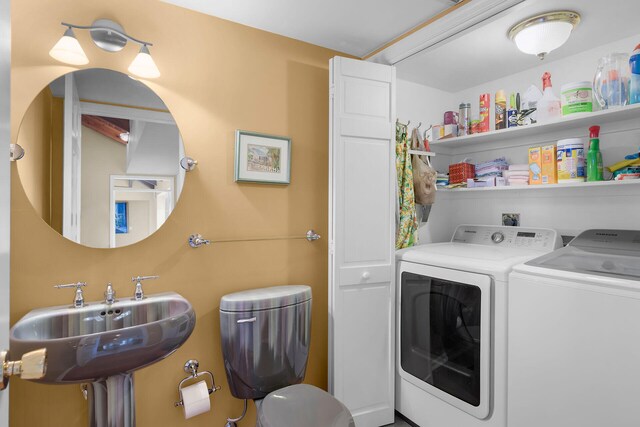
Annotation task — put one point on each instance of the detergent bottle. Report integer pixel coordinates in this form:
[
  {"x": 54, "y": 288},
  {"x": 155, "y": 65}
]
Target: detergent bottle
[
  {"x": 594, "y": 156},
  {"x": 634, "y": 64}
]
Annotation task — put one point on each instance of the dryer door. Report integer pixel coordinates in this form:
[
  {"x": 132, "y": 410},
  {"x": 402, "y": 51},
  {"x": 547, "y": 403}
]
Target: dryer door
[{"x": 445, "y": 336}]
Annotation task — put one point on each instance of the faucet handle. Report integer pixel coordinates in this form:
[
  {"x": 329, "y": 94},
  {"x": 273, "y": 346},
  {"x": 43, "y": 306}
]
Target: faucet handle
[
  {"x": 78, "y": 300},
  {"x": 139, "y": 293},
  {"x": 109, "y": 294},
  {"x": 71, "y": 285}
]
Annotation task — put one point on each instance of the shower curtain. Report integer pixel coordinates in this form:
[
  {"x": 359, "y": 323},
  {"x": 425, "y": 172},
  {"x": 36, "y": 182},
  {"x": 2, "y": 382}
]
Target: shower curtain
[{"x": 407, "y": 223}]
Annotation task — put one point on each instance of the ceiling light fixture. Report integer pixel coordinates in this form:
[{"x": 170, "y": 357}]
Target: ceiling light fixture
[
  {"x": 109, "y": 36},
  {"x": 543, "y": 33}
]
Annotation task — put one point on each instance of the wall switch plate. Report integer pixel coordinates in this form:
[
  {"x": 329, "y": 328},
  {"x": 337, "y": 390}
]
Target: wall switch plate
[{"x": 511, "y": 219}]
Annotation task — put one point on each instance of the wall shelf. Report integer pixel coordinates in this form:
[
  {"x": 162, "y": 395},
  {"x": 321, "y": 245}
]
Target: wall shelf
[
  {"x": 577, "y": 121},
  {"x": 547, "y": 187},
  {"x": 422, "y": 153}
]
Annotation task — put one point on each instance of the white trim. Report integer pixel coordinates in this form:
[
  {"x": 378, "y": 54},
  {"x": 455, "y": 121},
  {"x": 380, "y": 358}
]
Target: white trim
[
  {"x": 443, "y": 29},
  {"x": 112, "y": 197},
  {"x": 130, "y": 113},
  {"x": 72, "y": 162}
]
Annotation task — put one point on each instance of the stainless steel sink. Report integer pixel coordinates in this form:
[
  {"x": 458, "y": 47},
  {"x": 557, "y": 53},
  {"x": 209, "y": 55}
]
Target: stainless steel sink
[{"x": 98, "y": 340}]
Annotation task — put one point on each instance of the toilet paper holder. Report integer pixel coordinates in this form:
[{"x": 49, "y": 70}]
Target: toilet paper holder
[{"x": 191, "y": 367}]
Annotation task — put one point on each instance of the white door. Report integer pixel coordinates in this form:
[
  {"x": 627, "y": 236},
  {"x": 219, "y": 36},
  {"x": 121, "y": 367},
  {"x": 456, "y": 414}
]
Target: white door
[
  {"x": 71, "y": 161},
  {"x": 362, "y": 239},
  {"x": 5, "y": 50}
]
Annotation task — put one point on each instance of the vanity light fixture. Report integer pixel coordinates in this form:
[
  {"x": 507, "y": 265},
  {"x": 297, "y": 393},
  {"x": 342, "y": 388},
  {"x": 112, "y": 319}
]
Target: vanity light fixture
[
  {"x": 540, "y": 34},
  {"x": 68, "y": 50},
  {"x": 143, "y": 65},
  {"x": 109, "y": 36}
]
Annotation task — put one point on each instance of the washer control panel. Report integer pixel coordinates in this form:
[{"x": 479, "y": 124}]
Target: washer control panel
[{"x": 541, "y": 239}]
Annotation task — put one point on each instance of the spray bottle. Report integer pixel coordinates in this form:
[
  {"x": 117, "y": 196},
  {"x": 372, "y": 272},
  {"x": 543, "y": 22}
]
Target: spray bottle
[
  {"x": 549, "y": 106},
  {"x": 594, "y": 156}
]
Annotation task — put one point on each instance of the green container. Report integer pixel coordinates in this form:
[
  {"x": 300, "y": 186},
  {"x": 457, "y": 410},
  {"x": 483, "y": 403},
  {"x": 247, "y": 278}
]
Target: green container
[{"x": 576, "y": 97}]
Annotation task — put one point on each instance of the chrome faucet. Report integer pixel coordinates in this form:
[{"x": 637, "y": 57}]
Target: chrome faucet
[
  {"x": 138, "y": 294},
  {"x": 109, "y": 294},
  {"x": 78, "y": 300}
]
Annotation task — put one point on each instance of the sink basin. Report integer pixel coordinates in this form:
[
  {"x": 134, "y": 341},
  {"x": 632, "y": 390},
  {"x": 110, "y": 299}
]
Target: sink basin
[{"x": 98, "y": 340}]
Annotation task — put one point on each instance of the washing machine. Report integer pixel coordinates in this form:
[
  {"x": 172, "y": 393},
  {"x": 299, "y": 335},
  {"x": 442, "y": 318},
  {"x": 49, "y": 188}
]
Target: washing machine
[
  {"x": 574, "y": 334},
  {"x": 452, "y": 324}
]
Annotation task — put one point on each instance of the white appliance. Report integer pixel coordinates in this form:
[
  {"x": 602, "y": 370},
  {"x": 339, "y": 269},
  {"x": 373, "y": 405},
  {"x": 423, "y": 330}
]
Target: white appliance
[
  {"x": 452, "y": 324},
  {"x": 574, "y": 339}
]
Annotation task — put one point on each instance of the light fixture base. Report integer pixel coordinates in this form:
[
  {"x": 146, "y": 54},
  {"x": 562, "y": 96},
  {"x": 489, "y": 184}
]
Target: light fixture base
[
  {"x": 540, "y": 34},
  {"x": 560, "y": 15},
  {"x": 111, "y": 41}
]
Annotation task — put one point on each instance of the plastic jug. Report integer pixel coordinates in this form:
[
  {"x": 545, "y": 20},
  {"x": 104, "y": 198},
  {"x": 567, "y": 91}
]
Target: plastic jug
[
  {"x": 611, "y": 82},
  {"x": 634, "y": 64}
]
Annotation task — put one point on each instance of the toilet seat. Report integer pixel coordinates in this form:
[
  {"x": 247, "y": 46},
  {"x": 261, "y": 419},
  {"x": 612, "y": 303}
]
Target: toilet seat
[{"x": 302, "y": 405}]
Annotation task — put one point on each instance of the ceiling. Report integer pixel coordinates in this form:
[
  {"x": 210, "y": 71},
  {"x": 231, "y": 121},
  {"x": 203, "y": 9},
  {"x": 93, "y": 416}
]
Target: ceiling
[
  {"x": 355, "y": 27},
  {"x": 107, "y": 86},
  {"x": 485, "y": 53}
]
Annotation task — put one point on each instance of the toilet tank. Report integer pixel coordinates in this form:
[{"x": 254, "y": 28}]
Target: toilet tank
[{"x": 265, "y": 337}]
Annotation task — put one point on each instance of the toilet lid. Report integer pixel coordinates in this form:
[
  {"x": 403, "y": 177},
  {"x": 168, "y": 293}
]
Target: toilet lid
[{"x": 303, "y": 405}]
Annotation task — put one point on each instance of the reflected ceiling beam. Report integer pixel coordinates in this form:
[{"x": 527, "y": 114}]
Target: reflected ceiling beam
[{"x": 110, "y": 127}]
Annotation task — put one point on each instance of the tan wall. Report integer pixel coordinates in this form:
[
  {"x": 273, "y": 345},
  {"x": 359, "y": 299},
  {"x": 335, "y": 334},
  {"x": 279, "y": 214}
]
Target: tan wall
[
  {"x": 216, "y": 77},
  {"x": 35, "y": 138},
  {"x": 101, "y": 158}
]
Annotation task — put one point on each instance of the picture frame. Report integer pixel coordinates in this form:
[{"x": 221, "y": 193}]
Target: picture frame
[{"x": 262, "y": 158}]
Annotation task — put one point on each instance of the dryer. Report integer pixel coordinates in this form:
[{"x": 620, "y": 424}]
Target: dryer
[
  {"x": 452, "y": 324},
  {"x": 574, "y": 340}
]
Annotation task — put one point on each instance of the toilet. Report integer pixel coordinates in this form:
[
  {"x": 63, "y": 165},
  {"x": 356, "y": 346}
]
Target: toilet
[{"x": 265, "y": 336}]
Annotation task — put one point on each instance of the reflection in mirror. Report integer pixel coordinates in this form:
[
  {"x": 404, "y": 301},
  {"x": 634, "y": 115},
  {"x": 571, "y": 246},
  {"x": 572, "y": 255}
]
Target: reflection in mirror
[{"x": 103, "y": 158}]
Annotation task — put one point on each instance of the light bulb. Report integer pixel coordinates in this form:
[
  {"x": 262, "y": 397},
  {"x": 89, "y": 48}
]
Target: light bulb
[
  {"x": 143, "y": 65},
  {"x": 68, "y": 50}
]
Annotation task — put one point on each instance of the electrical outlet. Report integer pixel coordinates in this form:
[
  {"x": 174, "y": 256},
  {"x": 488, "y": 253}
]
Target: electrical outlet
[{"x": 511, "y": 219}]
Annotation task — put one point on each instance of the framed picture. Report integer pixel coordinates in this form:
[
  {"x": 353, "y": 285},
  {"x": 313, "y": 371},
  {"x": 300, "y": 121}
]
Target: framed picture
[{"x": 262, "y": 158}]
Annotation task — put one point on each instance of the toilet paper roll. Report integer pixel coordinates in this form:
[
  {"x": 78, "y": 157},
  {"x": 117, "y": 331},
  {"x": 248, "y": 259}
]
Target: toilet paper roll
[{"x": 195, "y": 399}]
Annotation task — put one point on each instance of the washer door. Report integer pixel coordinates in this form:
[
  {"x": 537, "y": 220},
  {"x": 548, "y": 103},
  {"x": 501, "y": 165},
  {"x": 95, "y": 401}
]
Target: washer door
[{"x": 445, "y": 334}]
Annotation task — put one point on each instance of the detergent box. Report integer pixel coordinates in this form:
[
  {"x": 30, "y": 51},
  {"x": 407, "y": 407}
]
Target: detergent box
[
  {"x": 535, "y": 165},
  {"x": 549, "y": 168}
]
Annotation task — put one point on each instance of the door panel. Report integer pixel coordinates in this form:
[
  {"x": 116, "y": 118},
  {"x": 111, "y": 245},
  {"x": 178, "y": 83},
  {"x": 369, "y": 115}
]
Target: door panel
[
  {"x": 362, "y": 238},
  {"x": 366, "y": 175},
  {"x": 366, "y": 327},
  {"x": 5, "y": 189},
  {"x": 71, "y": 161}
]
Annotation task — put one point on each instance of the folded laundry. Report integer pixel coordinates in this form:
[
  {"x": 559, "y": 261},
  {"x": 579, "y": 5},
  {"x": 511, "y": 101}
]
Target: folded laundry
[
  {"x": 515, "y": 181},
  {"x": 492, "y": 168},
  {"x": 515, "y": 173},
  {"x": 519, "y": 167}
]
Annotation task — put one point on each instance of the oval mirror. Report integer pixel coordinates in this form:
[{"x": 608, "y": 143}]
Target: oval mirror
[{"x": 102, "y": 162}]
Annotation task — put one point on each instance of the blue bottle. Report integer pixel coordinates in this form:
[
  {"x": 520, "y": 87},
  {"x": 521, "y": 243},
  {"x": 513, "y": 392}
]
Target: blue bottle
[{"x": 634, "y": 87}]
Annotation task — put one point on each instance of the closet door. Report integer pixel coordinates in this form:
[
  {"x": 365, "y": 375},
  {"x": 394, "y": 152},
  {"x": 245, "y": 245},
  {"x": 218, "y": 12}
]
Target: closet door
[{"x": 362, "y": 239}]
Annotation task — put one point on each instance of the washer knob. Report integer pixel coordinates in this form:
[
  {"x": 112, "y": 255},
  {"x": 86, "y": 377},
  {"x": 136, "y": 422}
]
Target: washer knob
[{"x": 497, "y": 237}]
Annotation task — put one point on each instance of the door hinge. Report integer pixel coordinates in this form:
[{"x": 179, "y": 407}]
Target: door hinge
[{"x": 332, "y": 90}]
